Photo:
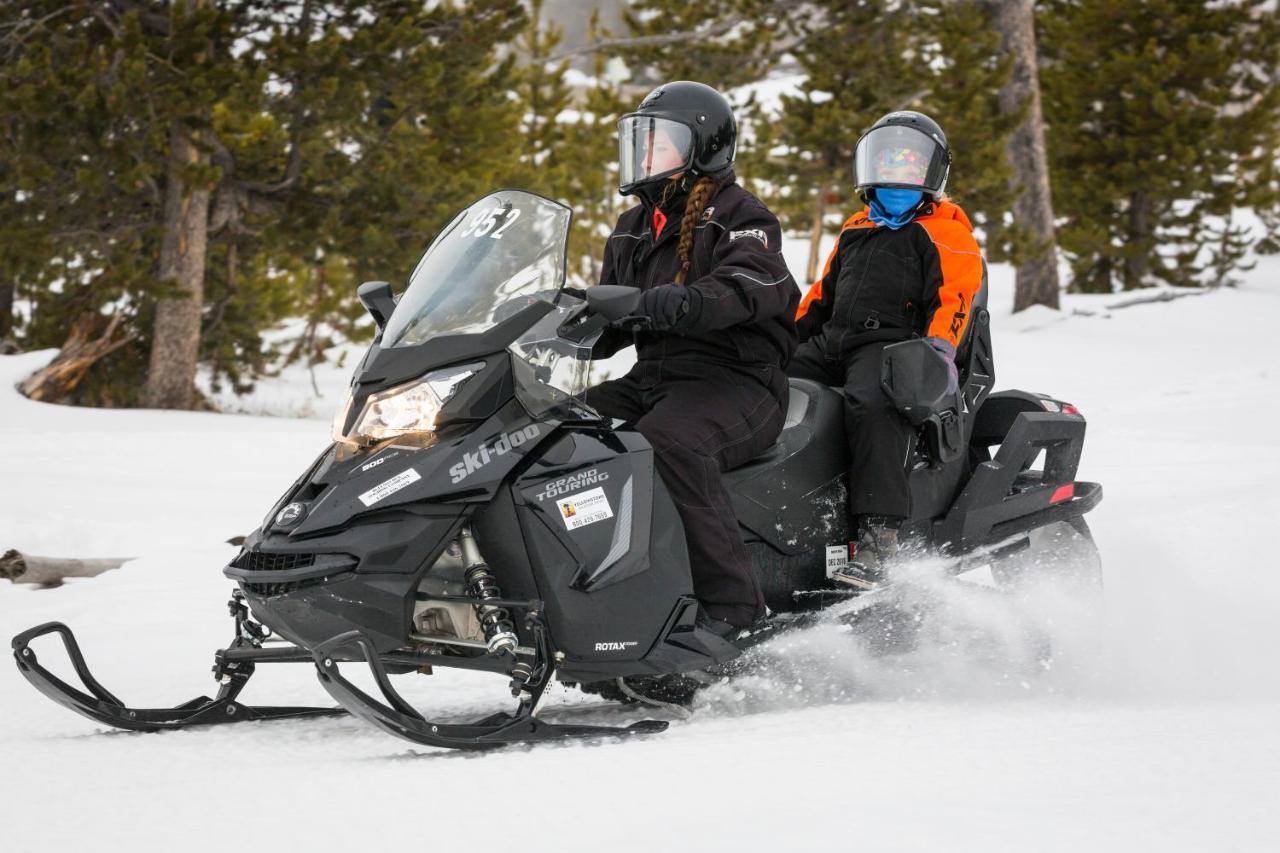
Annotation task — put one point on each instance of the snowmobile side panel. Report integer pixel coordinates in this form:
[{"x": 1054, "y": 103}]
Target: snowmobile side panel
[
  {"x": 683, "y": 646},
  {"x": 604, "y": 544}
]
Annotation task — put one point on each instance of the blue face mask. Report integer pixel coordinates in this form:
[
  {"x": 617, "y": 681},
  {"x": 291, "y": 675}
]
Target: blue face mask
[{"x": 893, "y": 207}]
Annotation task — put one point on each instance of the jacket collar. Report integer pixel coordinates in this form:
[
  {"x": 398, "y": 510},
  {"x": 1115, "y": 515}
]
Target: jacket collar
[{"x": 936, "y": 210}]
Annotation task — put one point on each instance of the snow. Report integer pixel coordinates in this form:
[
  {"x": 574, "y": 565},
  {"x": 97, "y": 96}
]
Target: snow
[{"x": 1167, "y": 741}]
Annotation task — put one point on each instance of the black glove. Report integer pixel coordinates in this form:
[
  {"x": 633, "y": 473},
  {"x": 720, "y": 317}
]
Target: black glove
[
  {"x": 947, "y": 353},
  {"x": 666, "y": 306}
]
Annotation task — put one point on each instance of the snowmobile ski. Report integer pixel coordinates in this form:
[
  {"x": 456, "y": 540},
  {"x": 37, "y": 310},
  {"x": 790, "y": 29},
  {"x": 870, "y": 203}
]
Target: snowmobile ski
[
  {"x": 234, "y": 666},
  {"x": 398, "y": 717}
]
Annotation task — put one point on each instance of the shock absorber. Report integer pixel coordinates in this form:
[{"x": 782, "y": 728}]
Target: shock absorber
[{"x": 499, "y": 633}]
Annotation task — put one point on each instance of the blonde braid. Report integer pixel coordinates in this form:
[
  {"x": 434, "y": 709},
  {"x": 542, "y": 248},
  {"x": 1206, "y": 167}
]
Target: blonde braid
[{"x": 701, "y": 193}]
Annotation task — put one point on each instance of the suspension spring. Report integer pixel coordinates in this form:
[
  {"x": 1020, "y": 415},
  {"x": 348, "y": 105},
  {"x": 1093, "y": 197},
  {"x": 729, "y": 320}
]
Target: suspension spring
[{"x": 499, "y": 632}]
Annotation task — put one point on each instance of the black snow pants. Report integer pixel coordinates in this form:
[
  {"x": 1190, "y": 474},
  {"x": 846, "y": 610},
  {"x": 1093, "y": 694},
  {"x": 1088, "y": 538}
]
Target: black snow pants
[
  {"x": 703, "y": 419},
  {"x": 880, "y": 438}
]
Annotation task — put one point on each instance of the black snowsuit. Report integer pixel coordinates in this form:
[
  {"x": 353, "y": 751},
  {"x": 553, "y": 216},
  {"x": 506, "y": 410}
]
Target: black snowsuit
[
  {"x": 881, "y": 286},
  {"x": 711, "y": 396}
]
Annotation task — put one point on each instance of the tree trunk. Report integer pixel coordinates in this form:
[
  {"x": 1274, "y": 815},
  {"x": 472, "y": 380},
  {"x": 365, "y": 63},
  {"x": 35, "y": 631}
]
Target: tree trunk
[
  {"x": 1137, "y": 259},
  {"x": 175, "y": 343},
  {"x": 6, "y": 309},
  {"x": 1037, "y": 276},
  {"x": 815, "y": 235}
]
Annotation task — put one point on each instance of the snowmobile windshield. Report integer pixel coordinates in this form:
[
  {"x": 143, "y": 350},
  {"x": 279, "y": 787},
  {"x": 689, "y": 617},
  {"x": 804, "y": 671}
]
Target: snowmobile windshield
[
  {"x": 899, "y": 156},
  {"x": 550, "y": 370},
  {"x": 651, "y": 148},
  {"x": 500, "y": 255}
]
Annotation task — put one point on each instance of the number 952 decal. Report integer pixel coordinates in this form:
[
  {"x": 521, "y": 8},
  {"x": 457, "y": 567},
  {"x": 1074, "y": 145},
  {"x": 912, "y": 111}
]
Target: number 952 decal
[{"x": 491, "y": 223}]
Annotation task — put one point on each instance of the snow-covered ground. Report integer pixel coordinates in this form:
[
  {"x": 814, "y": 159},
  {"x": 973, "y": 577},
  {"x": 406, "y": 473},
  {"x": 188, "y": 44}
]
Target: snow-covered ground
[{"x": 1170, "y": 740}]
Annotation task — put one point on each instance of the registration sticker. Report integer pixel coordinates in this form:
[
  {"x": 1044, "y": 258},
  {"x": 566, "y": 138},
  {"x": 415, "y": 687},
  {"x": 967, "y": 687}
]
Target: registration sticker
[
  {"x": 388, "y": 488},
  {"x": 584, "y": 508},
  {"x": 837, "y": 559}
]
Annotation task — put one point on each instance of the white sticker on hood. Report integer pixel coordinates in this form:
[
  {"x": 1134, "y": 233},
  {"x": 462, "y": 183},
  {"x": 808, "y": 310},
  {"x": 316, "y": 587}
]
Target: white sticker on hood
[
  {"x": 584, "y": 508},
  {"x": 390, "y": 487}
]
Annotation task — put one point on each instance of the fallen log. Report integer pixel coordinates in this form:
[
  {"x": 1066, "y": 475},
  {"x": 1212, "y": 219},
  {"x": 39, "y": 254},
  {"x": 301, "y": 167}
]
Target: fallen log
[
  {"x": 52, "y": 571},
  {"x": 84, "y": 347}
]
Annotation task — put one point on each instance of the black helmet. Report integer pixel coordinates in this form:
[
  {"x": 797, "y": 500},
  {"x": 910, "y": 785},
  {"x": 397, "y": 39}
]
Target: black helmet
[
  {"x": 692, "y": 122},
  {"x": 903, "y": 149}
]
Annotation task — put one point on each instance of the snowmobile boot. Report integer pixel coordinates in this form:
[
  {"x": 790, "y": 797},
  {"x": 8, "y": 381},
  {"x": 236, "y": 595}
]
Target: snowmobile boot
[
  {"x": 729, "y": 631},
  {"x": 871, "y": 555}
]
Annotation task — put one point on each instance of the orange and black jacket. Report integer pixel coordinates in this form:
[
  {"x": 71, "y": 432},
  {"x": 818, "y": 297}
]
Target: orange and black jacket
[{"x": 885, "y": 285}]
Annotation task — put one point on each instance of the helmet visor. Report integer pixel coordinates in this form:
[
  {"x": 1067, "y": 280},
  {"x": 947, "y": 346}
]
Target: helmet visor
[
  {"x": 898, "y": 156},
  {"x": 650, "y": 147}
]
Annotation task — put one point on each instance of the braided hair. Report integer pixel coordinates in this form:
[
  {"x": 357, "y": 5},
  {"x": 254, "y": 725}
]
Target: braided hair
[{"x": 701, "y": 193}]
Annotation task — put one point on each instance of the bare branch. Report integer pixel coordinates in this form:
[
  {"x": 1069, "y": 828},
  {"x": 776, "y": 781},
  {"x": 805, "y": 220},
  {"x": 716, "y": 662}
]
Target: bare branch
[{"x": 717, "y": 29}]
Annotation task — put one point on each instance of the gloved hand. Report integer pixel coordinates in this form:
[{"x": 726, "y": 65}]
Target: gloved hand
[
  {"x": 947, "y": 353},
  {"x": 666, "y": 306}
]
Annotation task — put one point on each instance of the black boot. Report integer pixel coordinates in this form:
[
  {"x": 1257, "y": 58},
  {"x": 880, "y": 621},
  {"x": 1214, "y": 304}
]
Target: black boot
[{"x": 872, "y": 553}]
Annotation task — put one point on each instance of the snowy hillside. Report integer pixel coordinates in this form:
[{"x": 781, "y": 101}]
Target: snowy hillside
[{"x": 1167, "y": 741}]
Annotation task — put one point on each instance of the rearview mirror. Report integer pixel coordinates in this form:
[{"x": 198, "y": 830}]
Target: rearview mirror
[{"x": 378, "y": 301}]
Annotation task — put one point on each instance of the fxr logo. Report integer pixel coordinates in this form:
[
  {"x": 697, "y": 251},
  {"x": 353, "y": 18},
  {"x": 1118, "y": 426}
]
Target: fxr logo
[{"x": 477, "y": 459}]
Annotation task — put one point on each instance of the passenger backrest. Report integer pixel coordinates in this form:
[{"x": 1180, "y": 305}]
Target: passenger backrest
[{"x": 979, "y": 305}]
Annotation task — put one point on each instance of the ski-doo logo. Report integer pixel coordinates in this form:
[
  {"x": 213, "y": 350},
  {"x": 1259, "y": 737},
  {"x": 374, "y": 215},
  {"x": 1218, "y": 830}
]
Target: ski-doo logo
[
  {"x": 750, "y": 232},
  {"x": 571, "y": 483},
  {"x": 477, "y": 459},
  {"x": 290, "y": 515},
  {"x": 615, "y": 647}
]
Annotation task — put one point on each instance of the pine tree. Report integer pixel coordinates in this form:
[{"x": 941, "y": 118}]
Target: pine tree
[
  {"x": 723, "y": 43},
  {"x": 570, "y": 147},
  {"x": 329, "y": 138},
  {"x": 1163, "y": 114}
]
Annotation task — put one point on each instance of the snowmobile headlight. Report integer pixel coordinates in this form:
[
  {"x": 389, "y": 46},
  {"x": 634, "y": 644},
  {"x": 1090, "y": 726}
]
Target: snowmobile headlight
[{"x": 406, "y": 409}]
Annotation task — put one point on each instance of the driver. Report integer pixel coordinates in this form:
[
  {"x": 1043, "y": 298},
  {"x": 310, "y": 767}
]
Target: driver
[
  {"x": 906, "y": 266},
  {"x": 707, "y": 390}
]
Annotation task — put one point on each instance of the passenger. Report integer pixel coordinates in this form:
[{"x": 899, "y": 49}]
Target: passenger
[
  {"x": 906, "y": 266},
  {"x": 708, "y": 389}
]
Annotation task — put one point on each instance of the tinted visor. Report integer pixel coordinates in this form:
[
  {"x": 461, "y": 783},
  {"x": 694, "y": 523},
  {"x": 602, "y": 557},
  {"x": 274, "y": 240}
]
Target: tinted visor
[
  {"x": 898, "y": 156},
  {"x": 650, "y": 147}
]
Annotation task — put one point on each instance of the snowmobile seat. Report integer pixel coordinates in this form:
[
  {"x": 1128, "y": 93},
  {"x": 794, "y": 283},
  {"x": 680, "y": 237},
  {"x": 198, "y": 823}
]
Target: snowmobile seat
[{"x": 774, "y": 495}]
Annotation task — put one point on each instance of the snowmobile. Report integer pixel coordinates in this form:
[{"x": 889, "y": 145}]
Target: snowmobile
[{"x": 474, "y": 512}]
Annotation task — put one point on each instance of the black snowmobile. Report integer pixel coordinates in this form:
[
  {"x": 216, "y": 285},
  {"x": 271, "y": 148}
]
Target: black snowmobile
[{"x": 473, "y": 512}]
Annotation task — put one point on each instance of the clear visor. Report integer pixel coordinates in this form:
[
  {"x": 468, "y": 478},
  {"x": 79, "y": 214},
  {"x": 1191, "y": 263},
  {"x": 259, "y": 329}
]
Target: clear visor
[
  {"x": 897, "y": 156},
  {"x": 651, "y": 147}
]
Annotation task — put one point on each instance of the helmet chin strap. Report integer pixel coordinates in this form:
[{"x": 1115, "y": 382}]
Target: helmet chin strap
[{"x": 652, "y": 192}]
